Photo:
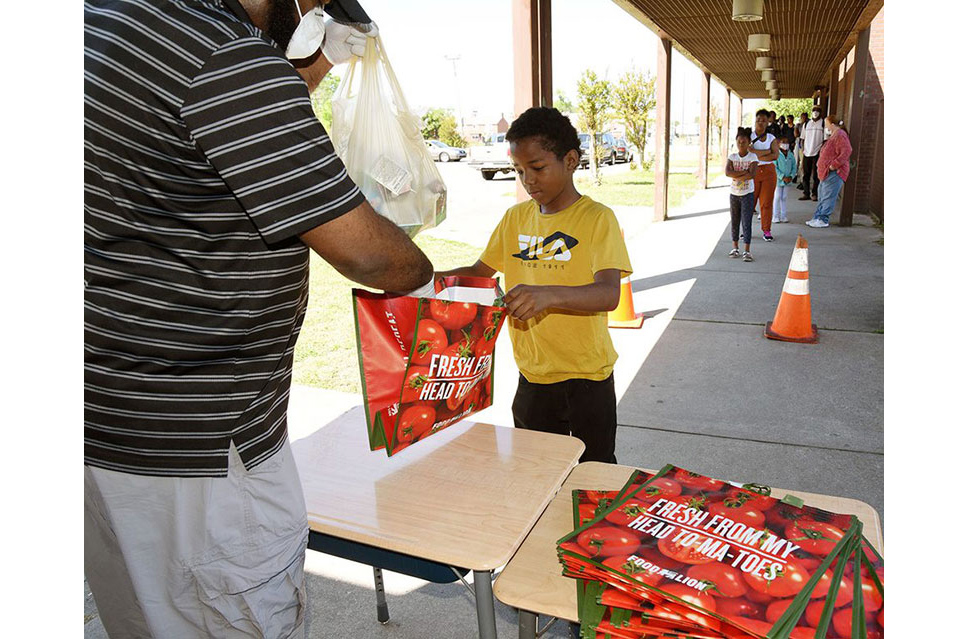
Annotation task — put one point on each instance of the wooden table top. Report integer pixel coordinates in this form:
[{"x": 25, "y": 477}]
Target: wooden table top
[
  {"x": 532, "y": 580},
  {"x": 466, "y": 497}
]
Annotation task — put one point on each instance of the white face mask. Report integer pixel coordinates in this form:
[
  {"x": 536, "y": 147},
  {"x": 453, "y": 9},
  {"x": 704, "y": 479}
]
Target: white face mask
[
  {"x": 784, "y": 146},
  {"x": 816, "y": 115},
  {"x": 309, "y": 33},
  {"x": 826, "y": 131}
]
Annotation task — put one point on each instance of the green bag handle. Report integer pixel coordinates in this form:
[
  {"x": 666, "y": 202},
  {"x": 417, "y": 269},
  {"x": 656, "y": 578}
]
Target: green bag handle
[
  {"x": 828, "y": 608},
  {"x": 785, "y": 624},
  {"x": 858, "y": 618}
]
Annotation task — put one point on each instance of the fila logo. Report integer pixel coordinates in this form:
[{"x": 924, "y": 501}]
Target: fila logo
[{"x": 556, "y": 246}]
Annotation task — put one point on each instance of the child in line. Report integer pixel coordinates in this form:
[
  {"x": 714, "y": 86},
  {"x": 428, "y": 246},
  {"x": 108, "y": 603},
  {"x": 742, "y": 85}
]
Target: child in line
[
  {"x": 563, "y": 257},
  {"x": 741, "y": 166},
  {"x": 786, "y": 173}
]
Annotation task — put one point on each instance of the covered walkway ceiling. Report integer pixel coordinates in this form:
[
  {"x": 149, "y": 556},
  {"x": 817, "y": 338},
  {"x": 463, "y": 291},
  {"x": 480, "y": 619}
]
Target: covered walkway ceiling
[{"x": 807, "y": 36}]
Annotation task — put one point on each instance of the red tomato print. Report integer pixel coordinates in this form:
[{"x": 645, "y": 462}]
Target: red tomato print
[
  {"x": 414, "y": 423},
  {"x": 749, "y": 496},
  {"x": 453, "y": 315},
  {"x": 659, "y": 487},
  {"x": 789, "y": 580},
  {"x": 739, "y": 607},
  {"x": 696, "y": 481},
  {"x": 738, "y": 511},
  {"x": 414, "y": 382},
  {"x": 431, "y": 340},
  {"x": 815, "y": 537},
  {"x": 627, "y": 512},
  {"x": 687, "y": 554},
  {"x": 621, "y": 564},
  {"x": 608, "y": 541},
  {"x": 725, "y": 580}
]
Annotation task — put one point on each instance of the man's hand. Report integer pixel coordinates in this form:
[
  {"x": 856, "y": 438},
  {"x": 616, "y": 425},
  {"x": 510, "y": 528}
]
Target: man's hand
[
  {"x": 787, "y": 179},
  {"x": 525, "y": 301},
  {"x": 342, "y": 42}
]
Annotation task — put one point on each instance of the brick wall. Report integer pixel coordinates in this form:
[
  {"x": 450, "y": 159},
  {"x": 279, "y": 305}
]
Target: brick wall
[{"x": 870, "y": 142}]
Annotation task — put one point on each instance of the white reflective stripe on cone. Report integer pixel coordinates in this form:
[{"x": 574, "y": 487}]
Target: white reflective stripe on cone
[
  {"x": 799, "y": 260},
  {"x": 796, "y": 287}
]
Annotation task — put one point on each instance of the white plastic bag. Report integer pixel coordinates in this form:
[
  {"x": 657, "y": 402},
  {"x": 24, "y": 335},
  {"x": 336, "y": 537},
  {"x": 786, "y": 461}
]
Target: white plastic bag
[{"x": 379, "y": 141}]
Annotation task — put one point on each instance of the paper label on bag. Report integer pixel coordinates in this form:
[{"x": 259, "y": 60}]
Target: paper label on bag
[{"x": 391, "y": 175}]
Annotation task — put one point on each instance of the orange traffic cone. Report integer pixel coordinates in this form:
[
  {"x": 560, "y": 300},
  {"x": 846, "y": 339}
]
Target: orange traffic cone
[
  {"x": 792, "y": 320},
  {"x": 624, "y": 315}
]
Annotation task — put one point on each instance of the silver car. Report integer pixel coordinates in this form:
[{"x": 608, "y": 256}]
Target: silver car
[{"x": 441, "y": 152}]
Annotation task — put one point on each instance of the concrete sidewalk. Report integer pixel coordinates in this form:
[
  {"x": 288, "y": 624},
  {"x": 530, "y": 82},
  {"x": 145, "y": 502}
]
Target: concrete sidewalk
[{"x": 699, "y": 387}]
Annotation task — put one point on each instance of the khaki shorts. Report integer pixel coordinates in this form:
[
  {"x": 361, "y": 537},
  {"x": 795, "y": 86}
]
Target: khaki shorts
[{"x": 198, "y": 557}]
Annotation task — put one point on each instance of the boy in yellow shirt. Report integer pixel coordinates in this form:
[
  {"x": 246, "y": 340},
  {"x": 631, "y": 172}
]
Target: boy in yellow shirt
[{"x": 563, "y": 257}]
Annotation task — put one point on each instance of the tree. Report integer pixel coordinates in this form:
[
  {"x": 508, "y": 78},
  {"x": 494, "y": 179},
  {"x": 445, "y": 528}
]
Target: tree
[
  {"x": 322, "y": 99},
  {"x": 563, "y": 103},
  {"x": 634, "y": 101},
  {"x": 790, "y": 106},
  {"x": 715, "y": 125},
  {"x": 594, "y": 98},
  {"x": 440, "y": 124}
]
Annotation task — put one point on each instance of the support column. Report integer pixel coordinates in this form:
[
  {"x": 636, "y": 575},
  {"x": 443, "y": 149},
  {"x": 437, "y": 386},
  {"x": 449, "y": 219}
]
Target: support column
[
  {"x": 862, "y": 58},
  {"x": 833, "y": 92},
  {"x": 704, "y": 130},
  {"x": 727, "y": 133},
  {"x": 663, "y": 102},
  {"x": 531, "y": 46}
]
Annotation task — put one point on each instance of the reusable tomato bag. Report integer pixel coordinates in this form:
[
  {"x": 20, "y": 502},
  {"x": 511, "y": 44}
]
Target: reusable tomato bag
[
  {"x": 426, "y": 363},
  {"x": 378, "y": 139}
]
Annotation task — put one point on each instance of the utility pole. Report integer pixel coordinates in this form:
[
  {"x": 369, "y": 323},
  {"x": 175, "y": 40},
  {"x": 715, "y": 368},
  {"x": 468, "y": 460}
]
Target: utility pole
[{"x": 460, "y": 111}]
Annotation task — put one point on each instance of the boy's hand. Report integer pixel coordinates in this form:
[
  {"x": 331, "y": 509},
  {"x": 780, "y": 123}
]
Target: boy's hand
[{"x": 525, "y": 301}]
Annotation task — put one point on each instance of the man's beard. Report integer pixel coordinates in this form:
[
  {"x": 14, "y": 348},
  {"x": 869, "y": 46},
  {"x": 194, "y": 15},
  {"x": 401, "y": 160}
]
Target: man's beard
[{"x": 281, "y": 22}]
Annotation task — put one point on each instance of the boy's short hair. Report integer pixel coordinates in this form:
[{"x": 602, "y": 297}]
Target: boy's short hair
[
  {"x": 763, "y": 112},
  {"x": 556, "y": 132}
]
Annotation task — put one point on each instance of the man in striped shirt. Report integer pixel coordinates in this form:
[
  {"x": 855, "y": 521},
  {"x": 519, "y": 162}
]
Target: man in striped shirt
[{"x": 207, "y": 180}]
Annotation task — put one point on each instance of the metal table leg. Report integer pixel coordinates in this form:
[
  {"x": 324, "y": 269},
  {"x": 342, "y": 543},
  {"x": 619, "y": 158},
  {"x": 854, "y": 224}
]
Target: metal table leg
[
  {"x": 382, "y": 610},
  {"x": 484, "y": 597},
  {"x": 527, "y": 625}
]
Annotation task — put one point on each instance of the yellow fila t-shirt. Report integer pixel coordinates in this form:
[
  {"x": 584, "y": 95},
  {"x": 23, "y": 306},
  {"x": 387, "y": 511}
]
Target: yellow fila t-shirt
[{"x": 565, "y": 248}]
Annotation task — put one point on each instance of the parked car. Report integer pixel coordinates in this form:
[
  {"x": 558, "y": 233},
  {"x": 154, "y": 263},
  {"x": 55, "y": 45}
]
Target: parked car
[
  {"x": 444, "y": 153},
  {"x": 623, "y": 151},
  {"x": 607, "y": 148},
  {"x": 492, "y": 157}
]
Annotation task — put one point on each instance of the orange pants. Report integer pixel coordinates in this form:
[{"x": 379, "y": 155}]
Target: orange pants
[{"x": 764, "y": 184}]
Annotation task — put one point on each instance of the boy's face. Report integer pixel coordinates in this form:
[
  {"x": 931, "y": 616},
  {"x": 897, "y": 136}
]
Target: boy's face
[{"x": 543, "y": 175}]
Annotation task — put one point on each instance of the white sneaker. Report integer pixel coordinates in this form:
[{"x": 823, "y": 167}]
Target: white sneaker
[
  {"x": 817, "y": 224},
  {"x": 777, "y": 220}
]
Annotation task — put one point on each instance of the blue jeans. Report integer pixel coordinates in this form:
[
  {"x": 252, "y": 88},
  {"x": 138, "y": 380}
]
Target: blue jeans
[
  {"x": 827, "y": 196},
  {"x": 741, "y": 213}
]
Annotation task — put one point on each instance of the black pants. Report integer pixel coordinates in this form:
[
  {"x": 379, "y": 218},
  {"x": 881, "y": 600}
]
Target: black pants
[
  {"x": 741, "y": 214},
  {"x": 579, "y": 407},
  {"x": 810, "y": 175}
]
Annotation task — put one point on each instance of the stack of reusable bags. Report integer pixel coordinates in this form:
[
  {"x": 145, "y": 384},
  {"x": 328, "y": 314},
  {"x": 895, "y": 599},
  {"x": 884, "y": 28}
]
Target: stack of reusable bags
[{"x": 678, "y": 554}]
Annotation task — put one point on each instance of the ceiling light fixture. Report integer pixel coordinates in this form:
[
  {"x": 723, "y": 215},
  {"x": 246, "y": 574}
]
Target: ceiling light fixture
[
  {"x": 747, "y": 10},
  {"x": 769, "y": 74},
  {"x": 764, "y": 63},
  {"x": 758, "y": 42}
]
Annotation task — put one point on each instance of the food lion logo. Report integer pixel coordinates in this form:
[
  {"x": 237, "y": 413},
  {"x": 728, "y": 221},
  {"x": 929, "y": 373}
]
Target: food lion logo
[{"x": 556, "y": 246}]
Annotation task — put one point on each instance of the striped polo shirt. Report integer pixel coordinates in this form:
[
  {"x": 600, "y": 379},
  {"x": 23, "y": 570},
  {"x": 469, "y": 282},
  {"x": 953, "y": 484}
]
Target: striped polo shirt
[{"x": 203, "y": 164}]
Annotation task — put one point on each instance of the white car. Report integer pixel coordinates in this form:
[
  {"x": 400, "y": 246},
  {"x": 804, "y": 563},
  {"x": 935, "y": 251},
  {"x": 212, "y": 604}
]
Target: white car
[{"x": 441, "y": 152}]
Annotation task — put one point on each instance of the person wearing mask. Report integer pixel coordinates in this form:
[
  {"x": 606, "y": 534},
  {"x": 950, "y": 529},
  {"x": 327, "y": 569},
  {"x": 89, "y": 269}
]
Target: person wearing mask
[
  {"x": 767, "y": 149},
  {"x": 798, "y": 132},
  {"x": 813, "y": 138},
  {"x": 786, "y": 170},
  {"x": 833, "y": 167},
  {"x": 208, "y": 179},
  {"x": 785, "y": 130}
]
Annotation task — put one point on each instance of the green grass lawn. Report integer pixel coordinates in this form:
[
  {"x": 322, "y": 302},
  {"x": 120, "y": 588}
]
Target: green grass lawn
[
  {"x": 637, "y": 188},
  {"x": 326, "y": 351}
]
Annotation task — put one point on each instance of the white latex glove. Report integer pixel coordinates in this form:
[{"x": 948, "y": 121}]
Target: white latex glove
[{"x": 342, "y": 42}]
